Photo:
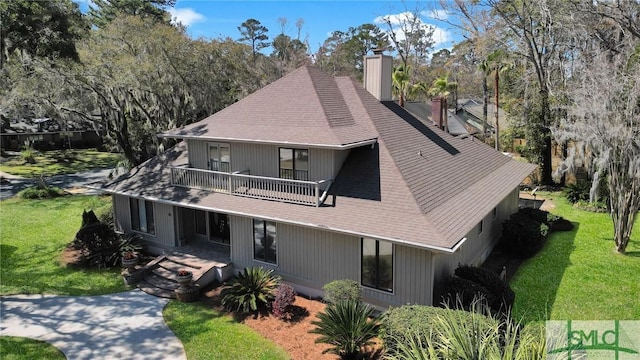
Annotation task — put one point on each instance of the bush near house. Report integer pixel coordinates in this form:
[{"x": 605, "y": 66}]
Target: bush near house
[
  {"x": 421, "y": 332},
  {"x": 526, "y": 231},
  {"x": 345, "y": 325},
  {"x": 37, "y": 192},
  {"x": 471, "y": 283},
  {"x": 250, "y": 290},
  {"x": 284, "y": 298},
  {"x": 339, "y": 290}
]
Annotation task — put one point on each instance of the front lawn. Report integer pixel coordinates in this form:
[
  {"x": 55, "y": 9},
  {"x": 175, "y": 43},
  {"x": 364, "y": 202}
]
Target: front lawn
[
  {"x": 17, "y": 348},
  {"x": 55, "y": 162},
  {"x": 578, "y": 275},
  {"x": 209, "y": 334},
  {"x": 33, "y": 234}
]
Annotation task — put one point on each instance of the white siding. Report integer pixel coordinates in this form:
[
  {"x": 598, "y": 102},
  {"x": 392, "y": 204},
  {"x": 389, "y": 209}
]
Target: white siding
[
  {"x": 121, "y": 213},
  {"x": 163, "y": 215},
  {"x": 197, "y": 151}
]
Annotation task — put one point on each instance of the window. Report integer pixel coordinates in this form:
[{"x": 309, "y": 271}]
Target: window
[
  {"x": 377, "y": 264},
  {"x": 219, "y": 157},
  {"x": 294, "y": 164},
  {"x": 480, "y": 227},
  {"x": 495, "y": 213},
  {"x": 264, "y": 241},
  {"x": 142, "y": 215}
]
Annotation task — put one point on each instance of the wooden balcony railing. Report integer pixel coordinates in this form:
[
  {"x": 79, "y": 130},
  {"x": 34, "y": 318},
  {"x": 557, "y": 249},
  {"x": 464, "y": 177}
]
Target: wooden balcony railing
[{"x": 261, "y": 187}]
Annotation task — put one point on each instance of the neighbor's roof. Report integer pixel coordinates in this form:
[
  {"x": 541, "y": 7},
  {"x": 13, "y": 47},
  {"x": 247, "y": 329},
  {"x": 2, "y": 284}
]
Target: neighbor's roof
[
  {"x": 418, "y": 185},
  {"x": 304, "y": 108}
]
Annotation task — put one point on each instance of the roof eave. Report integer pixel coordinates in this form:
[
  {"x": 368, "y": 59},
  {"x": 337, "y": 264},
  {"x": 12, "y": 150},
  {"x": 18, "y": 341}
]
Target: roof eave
[{"x": 269, "y": 142}]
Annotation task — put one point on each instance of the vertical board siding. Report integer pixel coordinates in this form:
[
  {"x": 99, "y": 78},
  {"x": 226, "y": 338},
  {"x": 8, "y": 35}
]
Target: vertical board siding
[
  {"x": 122, "y": 213},
  {"x": 197, "y": 152},
  {"x": 263, "y": 160},
  {"x": 165, "y": 224},
  {"x": 312, "y": 258}
]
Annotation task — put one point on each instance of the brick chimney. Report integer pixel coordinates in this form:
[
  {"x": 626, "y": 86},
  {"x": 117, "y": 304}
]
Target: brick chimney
[
  {"x": 436, "y": 111},
  {"x": 377, "y": 75}
]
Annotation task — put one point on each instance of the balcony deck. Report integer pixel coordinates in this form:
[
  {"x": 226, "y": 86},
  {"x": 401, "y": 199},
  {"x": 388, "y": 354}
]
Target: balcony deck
[{"x": 260, "y": 187}]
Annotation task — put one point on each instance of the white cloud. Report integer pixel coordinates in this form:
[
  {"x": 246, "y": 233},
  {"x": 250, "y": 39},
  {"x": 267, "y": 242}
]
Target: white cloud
[
  {"x": 441, "y": 37},
  {"x": 186, "y": 16},
  {"x": 436, "y": 14}
]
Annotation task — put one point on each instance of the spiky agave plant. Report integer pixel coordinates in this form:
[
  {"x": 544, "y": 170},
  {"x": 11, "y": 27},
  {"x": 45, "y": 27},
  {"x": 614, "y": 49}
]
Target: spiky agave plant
[
  {"x": 250, "y": 289},
  {"x": 345, "y": 325}
]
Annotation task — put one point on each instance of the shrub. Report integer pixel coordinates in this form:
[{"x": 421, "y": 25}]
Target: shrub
[
  {"x": 339, "y": 290},
  {"x": 461, "y": 293},
  {"x": 524, "y": 236},
  {"x": 399, "y": 324},
  {"x": 345, "y": 325},
  {"x": 105, "y": 215},
  {"x": 36, "y": 192},
  {"x": 253, "y": 288},
  {"x": 577, "y": 191},
  {"x": 99, "y": 244},
  {"x": 284, "y": 298},
  {"x": 500, "y": 291},
  {"x": 469, "y": 335},
  {"x": 28, "y": 155}
]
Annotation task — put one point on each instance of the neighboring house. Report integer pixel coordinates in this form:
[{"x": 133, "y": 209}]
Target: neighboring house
[
  {"x": 320, "y": 179},
  {"x": 471, "y": 113},
  {"x": 47, "y": 133},
  {"x": 422, "y": 111}
]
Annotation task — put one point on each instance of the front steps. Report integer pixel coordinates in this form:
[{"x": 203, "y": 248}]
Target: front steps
[{"x": 160, "y": 275}]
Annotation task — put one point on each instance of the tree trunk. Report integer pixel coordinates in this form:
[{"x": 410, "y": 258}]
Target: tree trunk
[
  {"x": 485, "y": 104},
  {"x": 546, "y": 166},
  {"x": 497, "y": 107},
  {"x": 624, "y": 196}
]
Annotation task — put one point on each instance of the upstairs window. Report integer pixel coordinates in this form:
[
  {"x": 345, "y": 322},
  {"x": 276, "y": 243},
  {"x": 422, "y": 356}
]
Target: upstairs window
[
  {"x": 480, "y": 227},
  {"x": 294, "y": 164},
  {"x": 377, "y": 264},
  {"x": 219, "y": 157},
  {"x": 142, "y": 216},
  {"x": 264, "y": 241}
]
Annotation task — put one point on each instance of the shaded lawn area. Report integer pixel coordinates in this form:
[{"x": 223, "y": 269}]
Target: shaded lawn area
[
  {"x": 55, "y": 162},
  {"x": 33, "y": 234},
  {"x": 17, "y": 348},
  {"x": 578, "y": 275},
  {"x": 209, "y": 334}
]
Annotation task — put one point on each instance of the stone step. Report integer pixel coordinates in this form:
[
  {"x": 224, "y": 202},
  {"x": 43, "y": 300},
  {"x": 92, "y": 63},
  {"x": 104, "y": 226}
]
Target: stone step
[
  {"x": 156, "y": 291},
  {"x": 161, "y": 282}
]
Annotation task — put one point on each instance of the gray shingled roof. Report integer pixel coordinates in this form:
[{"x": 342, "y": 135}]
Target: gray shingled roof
[
  {"x": 306, "y": 107},
  {"x": 417, "y": 185}
]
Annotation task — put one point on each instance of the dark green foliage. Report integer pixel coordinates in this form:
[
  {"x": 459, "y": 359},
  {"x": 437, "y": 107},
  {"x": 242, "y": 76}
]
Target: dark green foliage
[
  {"x": 462, "y": 293},
  {"x": 561, "y": 225},
  {"x": 339, "y": 290},
  {"x": 249, "y": 290},
  {"x": 500, "y": 291},
  {"x": 345, "y": 326},
  {"x": 285, "y": 296},
  {"x": 47, "y": 29},
  {"x": 37, "y": 192},
  {"x": 102, "y": 12},
  {"x": 578, "y": 191},
  {"x": 524, "y": 237},
  {"x": 99, "y": 244}
]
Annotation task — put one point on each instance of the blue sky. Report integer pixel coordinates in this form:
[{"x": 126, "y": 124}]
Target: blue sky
[{"x": 218, "y": 18}]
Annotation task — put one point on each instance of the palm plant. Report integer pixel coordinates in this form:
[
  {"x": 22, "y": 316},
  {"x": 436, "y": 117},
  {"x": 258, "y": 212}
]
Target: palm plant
[
  {"x": 250, "y": 289},
  {"x": 345, "y": 326},
  {"x": 400, "y": 79},
  {"x": 442, "y": 87}
]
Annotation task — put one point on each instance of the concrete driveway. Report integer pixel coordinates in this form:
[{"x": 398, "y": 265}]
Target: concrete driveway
[
  {"x": 121, "y": 326},
  {"x": 12, "y": 184}
]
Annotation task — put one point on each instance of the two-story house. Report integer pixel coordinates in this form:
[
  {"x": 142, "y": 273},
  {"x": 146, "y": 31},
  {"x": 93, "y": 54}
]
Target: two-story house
[{"x": 321, "y": 178}]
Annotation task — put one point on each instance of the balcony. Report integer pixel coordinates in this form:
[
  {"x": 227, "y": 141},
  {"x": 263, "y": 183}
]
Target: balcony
[{"x": 242, "y": 184}]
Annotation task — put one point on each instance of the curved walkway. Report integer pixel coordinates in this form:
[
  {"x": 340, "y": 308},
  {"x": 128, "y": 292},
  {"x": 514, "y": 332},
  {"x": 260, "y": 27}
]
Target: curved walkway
[{"x": 121, "y": 326}]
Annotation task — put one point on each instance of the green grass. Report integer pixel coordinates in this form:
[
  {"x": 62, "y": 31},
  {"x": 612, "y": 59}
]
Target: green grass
[
  {"x": 15, "y": 348},
  {"x": 209, "y": 334},
  {"x": 57, "y": 162},
  {"x": 578, "y": 275},
  {"x": 33, "y": 234}
]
